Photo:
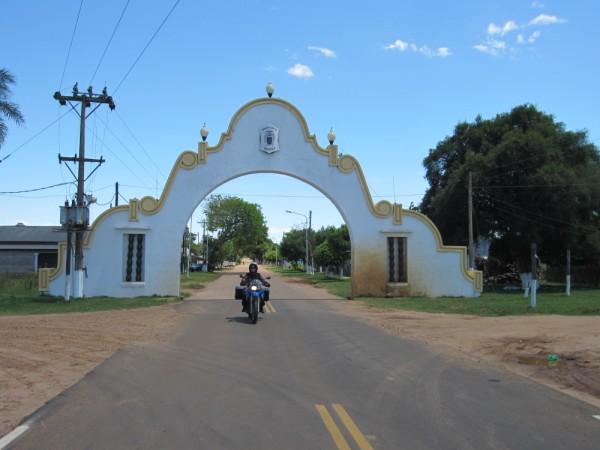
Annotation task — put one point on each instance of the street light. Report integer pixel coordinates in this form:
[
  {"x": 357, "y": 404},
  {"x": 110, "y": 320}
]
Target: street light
[
  {"x": 331, "y": 136},
  {"x": 204, "y": 132},
  {"x": 270, "y": 89},
  {"x": 204, "y": 236},
  {"x": 306, "y": 227}
]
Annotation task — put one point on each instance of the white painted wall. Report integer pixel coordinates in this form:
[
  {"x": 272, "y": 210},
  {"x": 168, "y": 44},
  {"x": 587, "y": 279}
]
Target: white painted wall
[{"x": 432, "y": 272}]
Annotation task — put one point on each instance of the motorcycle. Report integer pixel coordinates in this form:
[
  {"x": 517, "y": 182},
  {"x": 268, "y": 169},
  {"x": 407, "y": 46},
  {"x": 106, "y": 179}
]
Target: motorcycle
[{"x": 253, "y": 295}]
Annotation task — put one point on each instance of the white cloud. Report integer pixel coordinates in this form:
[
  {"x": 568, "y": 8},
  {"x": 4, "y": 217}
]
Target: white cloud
[
  {"x": 440, "y": 52},
  {"x": 483, "y": 48},
  {"x": 425, "y": 50},
  {"x": 443, "y": 52},
  {"x": 537, "y": 4},
  {"x": 491, "y": 47},
  {"x": 508, "y": 26},
  {"x": 398, "y": 45},
  {"x": 534, "y": 37},
  {"x": 545, "y": 19},
  {"x": 495, "y": 46},
  {"x": 494, "y": 29},
  {"x": 301, "y": 71},
  {"x": 324, "y": 51}
]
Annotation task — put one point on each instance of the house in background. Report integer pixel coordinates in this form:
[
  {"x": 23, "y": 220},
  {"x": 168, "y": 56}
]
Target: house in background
[{"x": 27, "y": 248}]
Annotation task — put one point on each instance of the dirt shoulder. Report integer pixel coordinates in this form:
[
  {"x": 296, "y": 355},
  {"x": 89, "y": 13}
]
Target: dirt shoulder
[
  {"x": 42, "y": 355},
  {"x": 520, "y": 344}
]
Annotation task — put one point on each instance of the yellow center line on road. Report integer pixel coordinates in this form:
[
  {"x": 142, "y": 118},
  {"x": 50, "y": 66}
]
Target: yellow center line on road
[
  {"x": 359, "y": 438},
  {"x": 334, "y": 431}
]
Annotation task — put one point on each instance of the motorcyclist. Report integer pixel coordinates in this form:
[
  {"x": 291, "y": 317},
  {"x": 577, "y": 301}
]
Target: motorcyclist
[{"x": 253, "y": 274}]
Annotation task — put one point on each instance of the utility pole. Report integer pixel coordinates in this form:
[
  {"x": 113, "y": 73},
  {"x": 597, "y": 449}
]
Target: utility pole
[
  {"x": 75, "y": 218},
  {"x": 312, "y": 256},
  {"x": 205, "y": 236},
  {"x": 471, "y": 246},
  {"x": 533, "y": 285},
  {"x": 306, "y": 226},
  {"x": 190, "y": 246},
  {"x": 568, "y": 287},
  {"x": 117, "y": 193}
]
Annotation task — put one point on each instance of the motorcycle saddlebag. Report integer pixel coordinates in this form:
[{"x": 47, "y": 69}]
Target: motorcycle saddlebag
[{"x": 239, "y": 293}]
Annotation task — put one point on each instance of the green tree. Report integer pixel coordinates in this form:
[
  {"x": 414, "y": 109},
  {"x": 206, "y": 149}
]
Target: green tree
[
  {"x": 273, "y": 253},
  {"x": 323, "y": 255},
  {"x": 534, "y": 181},
  {"x": 293, "y": 247},
  {"x": 240, "y": 226},
  {"x": 8, "y": 110},
  {"x": 332, "y": 246}
]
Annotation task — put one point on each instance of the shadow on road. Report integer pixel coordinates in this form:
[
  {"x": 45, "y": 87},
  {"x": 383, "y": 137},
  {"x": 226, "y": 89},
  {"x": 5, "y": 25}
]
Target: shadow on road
[{"x": 240, "y": 319}]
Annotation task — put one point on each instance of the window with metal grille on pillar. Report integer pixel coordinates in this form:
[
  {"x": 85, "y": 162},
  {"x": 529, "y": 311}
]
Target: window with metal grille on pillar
[
  {"x": 134, "y": 257},
  {"x": 397, "y": 259}
]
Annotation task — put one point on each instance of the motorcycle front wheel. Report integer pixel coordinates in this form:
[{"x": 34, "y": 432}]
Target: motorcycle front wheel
[{"x": 254, "y": 310}]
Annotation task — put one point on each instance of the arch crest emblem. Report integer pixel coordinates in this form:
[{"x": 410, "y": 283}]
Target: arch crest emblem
[{"x": 269, "y": 139}]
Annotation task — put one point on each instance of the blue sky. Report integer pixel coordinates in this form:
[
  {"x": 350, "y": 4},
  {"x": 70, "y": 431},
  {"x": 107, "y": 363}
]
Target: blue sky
[{"x": 392, "y": 78}]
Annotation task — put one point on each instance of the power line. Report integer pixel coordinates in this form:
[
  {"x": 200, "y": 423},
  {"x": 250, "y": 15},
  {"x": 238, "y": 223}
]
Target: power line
[
  {"x": 33, "y": 137},
  {"x": 277, "y": 195},
  {"x": 104, "y": 187},
  {"x": 547, "y": 225},
  {"x": 127, "y": 149},
  {"x": 117, "y": 157},
  {"x": 70, "y": 46},
  {"x": 32, "y": 197},
  {"x": 108, "y": 202},
  {"x": 527, "y": 211},
  {"x": 140, "y": 145},
  {"x": 147, "y": 45},
  {"x": 527, "y": 186},
  {"x": 109, "y": 41},
  {"x": 519, "y": 215},
  {"x": 36, "y": 189}
]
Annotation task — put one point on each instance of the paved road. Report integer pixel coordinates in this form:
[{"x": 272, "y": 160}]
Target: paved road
[{"x": 304, "y": 377}]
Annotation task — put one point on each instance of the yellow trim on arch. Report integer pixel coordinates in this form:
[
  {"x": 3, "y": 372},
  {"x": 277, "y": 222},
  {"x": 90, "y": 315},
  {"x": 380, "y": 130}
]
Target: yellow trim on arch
[
  {"x": 345, "y": 164},
  {"x": 101, "y": 219},
  {"x": 47, "y": 274},
  {"x": 474, "y": 276}
]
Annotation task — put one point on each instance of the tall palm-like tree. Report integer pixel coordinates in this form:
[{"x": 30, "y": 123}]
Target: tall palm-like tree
[{"x": 8, "y": 110}]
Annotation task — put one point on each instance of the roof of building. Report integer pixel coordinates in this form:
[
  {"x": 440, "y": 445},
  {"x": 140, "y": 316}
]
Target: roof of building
[{"x": 25, "y": 233}]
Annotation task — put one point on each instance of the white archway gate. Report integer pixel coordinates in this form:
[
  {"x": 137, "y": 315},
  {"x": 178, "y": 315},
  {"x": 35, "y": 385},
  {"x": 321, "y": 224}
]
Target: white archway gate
[{"x": 134, "y": 249}]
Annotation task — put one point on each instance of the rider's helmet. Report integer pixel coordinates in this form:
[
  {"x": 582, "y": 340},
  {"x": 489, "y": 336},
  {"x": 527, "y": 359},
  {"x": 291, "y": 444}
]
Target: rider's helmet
[{"x": 253, "y": 266}]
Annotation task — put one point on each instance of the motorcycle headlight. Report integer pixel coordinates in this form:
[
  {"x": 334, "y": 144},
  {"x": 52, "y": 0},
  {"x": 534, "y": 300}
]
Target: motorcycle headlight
[{"x": 254, "y": 288}]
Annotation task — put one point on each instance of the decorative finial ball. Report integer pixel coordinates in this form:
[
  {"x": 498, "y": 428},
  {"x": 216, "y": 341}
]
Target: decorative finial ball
[
  {"x": 204, "y": 132},
  {"x": 331, "y": 136},
  {"x": 270, "y": 89}
]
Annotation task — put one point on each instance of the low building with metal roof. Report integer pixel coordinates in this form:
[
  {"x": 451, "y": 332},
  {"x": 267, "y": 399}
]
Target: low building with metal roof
[{"x": 25, "y": 248}]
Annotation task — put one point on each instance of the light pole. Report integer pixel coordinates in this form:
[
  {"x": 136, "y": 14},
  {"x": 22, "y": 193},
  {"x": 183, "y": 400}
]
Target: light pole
[
  {"x": 306, "y": 226},
  {"x": 204, "y": 237}
]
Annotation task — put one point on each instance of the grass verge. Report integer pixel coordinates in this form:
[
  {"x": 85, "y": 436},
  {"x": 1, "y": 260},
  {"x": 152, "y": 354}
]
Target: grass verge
[
  {"x": 196, "y": 280},
  {"x": 19, "y": 295},
  {"x": 334, "y": 285},
  {"x": 550, "y": 299},
  {"x": 580, "y": 303},
  {"x": 41, "y": 304}
]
